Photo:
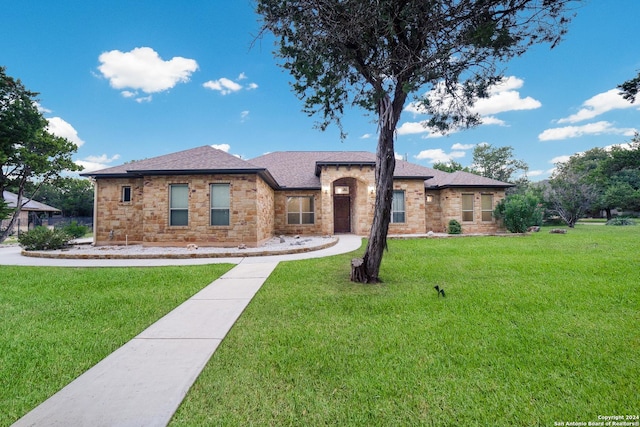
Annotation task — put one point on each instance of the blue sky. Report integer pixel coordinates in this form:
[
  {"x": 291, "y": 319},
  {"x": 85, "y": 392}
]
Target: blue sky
[{"x": 128, "y": 80}]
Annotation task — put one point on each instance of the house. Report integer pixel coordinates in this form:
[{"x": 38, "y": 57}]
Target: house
[
  {"x": 32, "y": 213},
  {"x": 212, "y": 198}
]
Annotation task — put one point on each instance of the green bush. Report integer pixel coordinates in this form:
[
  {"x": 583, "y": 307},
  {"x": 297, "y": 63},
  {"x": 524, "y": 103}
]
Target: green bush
[
  {"x": 621, "y": 220},
  {"x": 43, "y": 239},
  {"x": 454, "y": 227},
  {"x": 75, "y": 230},
  {"x": 519, "y": 212}
]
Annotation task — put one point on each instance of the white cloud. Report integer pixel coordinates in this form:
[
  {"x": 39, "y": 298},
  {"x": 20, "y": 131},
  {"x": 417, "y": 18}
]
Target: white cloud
[
  {"x": 458, "y": 146},
  {"x": 597, "y": 128},
  {"x": 366, "y": 136},
  {"x": 438, "y": 155},
  {"x": 222, "y": 147},
  {"x": 143, "y": 69},
  {"x": 144, "y": 99},
  {"x": 559, "y": 159},
  {"x": 244, "y": 115},
  {"x": 226, "y": 86},
  {"x": 503, "y": 97},
  {"x": 599, "y": 104},
  {"x": 59, "y": 127},
  {"x": 533, "y": 173},
  {"x": 94, "y": 163},
  {"x": 490, "y": 120},
  {"x": 223, "y": 85}
]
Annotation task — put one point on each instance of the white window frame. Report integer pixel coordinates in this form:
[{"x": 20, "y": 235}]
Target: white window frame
[
  {"x": 488, "y": 211},
  {"x": 467, "y": 211},
  {"x": 398, "y": 213},
  {"x": 176, "y": 209},
  {"x": 220, "y": 206},
  {"x": 298, "y": 216}
]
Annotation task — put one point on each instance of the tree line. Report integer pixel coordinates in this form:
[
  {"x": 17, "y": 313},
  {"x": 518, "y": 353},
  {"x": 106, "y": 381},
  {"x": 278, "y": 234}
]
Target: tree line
[{"x": 597, "y": 181}]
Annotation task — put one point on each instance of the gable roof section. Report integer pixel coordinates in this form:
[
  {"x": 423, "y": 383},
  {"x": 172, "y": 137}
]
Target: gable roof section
[
  {"x": 463, "y": 179},
  {"x": 200, "y": 160},
  {"x": 301, "y": 169},
  {"x": 30, "y": 205}
]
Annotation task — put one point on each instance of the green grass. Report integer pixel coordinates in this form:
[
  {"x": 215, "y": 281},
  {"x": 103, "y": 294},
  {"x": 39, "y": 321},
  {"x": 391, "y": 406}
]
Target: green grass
[
  {"x": 533, "y": 330},
  {"x": 55, "y": 323}
]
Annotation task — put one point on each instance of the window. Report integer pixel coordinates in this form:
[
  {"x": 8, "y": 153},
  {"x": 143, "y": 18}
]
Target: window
[
  {"x": 178, "y": 204},
  {"x": 220, "y": 204},
  {"x": 487, "y": 207},
  {"x": 467, "y": 207},
  {"x": 126, "y": 194},
  {"x": 397, "y": 206},
  {"x": 300, "y": 210},
  {"x": 429, "y": 198}
]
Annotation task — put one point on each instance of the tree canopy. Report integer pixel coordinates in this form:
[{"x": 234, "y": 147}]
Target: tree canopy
[
  {"x": 374, "y": 54},
  {"x": 28, "y": 152}
]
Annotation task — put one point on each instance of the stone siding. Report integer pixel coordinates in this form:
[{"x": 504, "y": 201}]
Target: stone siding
[
  {"x": 361, "y": 182},
  {"x": 280, "y": 217},
  {"x": 414, "y": 205},
  {"x": 146, "y": 219},
  {"x": 451, "y": 205},
  {"x": 117, "y": 222}
]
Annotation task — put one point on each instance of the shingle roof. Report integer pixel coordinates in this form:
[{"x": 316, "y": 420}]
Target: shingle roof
[
  {"x": 299, "y": 169},
  {"x": 30, "y": 205},
  {"x": 201, "y": 159},
  {"x": 463, "y": 179},
  {"x": 286, "y": 169}
]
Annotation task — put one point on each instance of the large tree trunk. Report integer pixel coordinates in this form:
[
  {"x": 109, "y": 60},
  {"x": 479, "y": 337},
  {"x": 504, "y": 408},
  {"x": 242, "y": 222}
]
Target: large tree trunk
[{"x": 367, "y": 269}]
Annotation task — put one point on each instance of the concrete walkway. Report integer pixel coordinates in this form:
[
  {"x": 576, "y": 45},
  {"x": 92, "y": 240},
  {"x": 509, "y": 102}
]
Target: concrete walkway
[{"x": 143, "y": 382}]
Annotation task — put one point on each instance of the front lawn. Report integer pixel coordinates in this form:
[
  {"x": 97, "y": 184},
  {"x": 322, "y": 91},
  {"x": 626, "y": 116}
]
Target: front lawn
[
  {"x": 55, "y": 323},
  {"x": 533, "y": 330}
]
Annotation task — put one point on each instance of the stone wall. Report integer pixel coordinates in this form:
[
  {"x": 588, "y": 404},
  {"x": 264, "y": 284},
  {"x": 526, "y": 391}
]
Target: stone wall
[
  {"x": 414, "y": 205},
  {"x": 361, "y": 181},
  {"x": 265, "y": 210},
  {"x": 451, "y": 205},
  {"x": 280, "y": 217},
  {"x": 433, "y": 219},
  {"x": 146, "y": 218},
  {"x": 117, "y": 222}
]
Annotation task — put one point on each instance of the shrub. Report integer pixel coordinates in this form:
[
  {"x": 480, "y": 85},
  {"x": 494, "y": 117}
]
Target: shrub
[
  {"x": 519, "y": 212},
  {"x": 75, "y": 230},
  {"x": 42, "y": 239},
  {"x": 621, "y": 220},
  {"x": 454, "y": 227}
]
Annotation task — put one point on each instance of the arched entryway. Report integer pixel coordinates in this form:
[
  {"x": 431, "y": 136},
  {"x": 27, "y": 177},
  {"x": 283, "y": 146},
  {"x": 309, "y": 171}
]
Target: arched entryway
[{"x": 344, "y": 192}]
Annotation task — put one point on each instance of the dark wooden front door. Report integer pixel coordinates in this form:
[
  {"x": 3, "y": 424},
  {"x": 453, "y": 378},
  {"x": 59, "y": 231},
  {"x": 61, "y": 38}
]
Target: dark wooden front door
[{"x": 341, "y": 214}]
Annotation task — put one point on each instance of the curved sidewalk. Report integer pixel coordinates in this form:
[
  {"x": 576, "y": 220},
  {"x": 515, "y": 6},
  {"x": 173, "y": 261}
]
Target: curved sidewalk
[{"x": 143, "y": 382}]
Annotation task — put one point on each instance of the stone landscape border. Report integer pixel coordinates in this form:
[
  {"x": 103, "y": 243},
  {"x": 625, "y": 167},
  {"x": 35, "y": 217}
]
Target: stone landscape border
[{"x": 190, "y": 255}]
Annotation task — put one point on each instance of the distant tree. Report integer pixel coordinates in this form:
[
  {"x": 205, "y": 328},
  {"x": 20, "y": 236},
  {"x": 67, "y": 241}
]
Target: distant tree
[
  {"x": 630, "y": 88},
  {"x": 375, "y": 54},
  {"x": 497, "y": 162},
  {"x": 450, "y": 166},
  {"x": 28, "y": 152},
  {"x": 569, "y": 194},
  {"x": 621, "y": 169},
  {"x": 73, "y": 196}
]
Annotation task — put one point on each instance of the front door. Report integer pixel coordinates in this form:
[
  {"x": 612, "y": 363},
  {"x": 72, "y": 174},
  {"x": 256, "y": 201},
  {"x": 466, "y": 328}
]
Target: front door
[{"x": 341, "y": 214}]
